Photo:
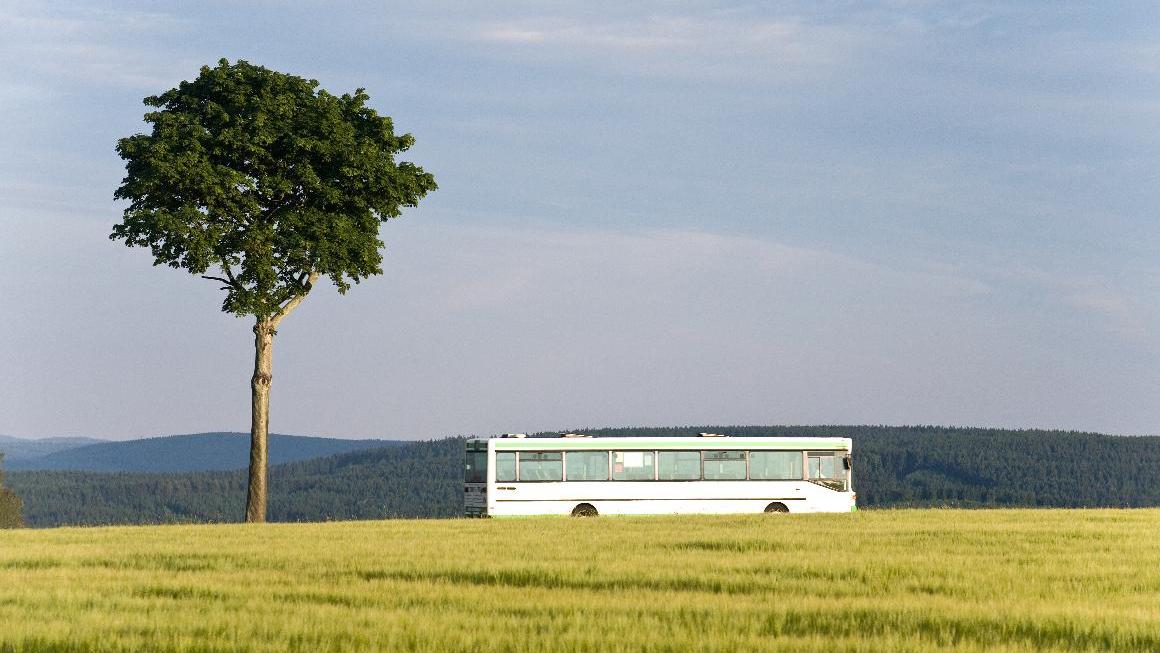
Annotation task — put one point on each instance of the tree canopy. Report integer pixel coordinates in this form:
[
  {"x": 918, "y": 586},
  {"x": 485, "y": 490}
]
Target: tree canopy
[{"x": 266, "y": 180}]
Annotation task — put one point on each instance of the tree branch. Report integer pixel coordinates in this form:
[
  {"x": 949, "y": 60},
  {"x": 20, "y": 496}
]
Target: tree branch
[
  {"x": 230, "y": 280},
  {"x": 294, "y": 301},
  {"x": 230, "y": 274}
]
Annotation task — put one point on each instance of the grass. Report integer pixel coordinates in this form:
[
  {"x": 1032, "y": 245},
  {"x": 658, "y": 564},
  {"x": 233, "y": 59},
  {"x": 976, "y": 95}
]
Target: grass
[{"x": 891, "y": 581}]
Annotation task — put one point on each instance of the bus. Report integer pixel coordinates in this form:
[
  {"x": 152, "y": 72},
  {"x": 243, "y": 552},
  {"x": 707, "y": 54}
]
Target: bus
[{"x": 578, "y": 475}]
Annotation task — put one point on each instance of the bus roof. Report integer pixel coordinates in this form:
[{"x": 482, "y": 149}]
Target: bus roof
[{"x": 715, "y": 442}]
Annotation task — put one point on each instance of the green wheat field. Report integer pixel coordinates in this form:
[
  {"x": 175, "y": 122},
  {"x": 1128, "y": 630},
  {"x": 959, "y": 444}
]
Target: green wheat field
[{"x": 911, "y": 580}]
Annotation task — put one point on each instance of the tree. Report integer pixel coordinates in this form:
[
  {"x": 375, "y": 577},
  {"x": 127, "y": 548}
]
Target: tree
[
  {"x": 10, "y": 505},
  {"x": 262, "y": 182}
]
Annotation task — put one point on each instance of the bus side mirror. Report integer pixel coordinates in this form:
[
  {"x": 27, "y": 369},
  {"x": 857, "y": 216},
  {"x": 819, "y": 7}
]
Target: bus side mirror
[{"x": 847, "y": 462}]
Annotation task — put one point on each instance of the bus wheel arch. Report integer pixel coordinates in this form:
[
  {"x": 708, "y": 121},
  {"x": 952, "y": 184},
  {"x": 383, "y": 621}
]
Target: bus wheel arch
[
  {"x": 585, "y": 510},
  {"x": 776, "y": 507}
]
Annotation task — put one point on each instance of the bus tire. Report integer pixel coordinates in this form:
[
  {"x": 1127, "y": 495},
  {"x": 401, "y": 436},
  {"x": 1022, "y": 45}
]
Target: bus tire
[
  {"x": 776, "y": 507},
  {"x": 585, "y": 510}
]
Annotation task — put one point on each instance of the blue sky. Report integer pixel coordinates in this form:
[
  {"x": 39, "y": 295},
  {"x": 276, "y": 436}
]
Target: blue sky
[{"x": 649, "y": 214}]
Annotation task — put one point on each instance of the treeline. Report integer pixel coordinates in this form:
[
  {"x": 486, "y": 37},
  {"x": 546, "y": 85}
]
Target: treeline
[
  {"x": 10, "y": 504},
  {"x": 893, "y": 467},
  {"x": 423, "y": 479}
]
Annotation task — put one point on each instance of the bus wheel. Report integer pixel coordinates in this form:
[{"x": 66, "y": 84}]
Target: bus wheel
[
  {"x": 776, "y": 507},
  {"x": 584, "y": 510}
]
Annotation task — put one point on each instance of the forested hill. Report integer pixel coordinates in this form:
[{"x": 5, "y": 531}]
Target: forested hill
[
  {"x": 893, "y": 467},
  {"x": 422, "y": 479},
  {"x": 17, "y": 449},
  {"x": 197, "y": 452}
]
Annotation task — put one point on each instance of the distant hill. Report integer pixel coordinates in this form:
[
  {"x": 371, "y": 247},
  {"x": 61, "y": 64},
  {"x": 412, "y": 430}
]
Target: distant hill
[
  {"x": 183, "y": 453},
  {"x": 15, "y": 449},
  {"x": 893, "y": 467},
  {"x": 422, "y": 479}
]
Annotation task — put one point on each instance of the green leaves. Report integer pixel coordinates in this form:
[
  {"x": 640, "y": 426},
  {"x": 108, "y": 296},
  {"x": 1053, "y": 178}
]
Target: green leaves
[{"x": 261, "y": 179}]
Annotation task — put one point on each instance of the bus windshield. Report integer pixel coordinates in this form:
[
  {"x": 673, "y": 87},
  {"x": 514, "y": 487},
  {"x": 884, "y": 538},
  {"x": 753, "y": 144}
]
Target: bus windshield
[{"x": 828, "y": 468}]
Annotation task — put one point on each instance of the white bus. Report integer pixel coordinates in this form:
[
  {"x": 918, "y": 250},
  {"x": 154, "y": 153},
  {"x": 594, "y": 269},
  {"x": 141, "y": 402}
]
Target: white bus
[{"x": 584, "y": 476}]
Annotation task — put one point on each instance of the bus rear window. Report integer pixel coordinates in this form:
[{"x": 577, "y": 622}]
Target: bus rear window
[{"x": 475, "y": 467}]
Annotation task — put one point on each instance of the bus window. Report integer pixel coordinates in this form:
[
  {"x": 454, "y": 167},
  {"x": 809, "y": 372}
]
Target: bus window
[
  {"x": 724, "y": 465},
  {"x": 826, "y": 464},
  {"x": 541, "y": 466},
  {"x": 679, "y": 466},
  {"x": 505, "y": 466},
  {"x": 827, "y": 468},
  {"x": 475, "y": 467},
  {"x": 586, "y": 465},
  {"x": 775, "y": 465},
  {"x": 632, "y": 465}
]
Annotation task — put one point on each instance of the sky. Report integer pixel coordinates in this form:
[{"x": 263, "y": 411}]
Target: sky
[{"x": 649, "y": 214}]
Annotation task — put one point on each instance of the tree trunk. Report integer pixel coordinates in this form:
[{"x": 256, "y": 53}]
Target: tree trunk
[
  {"x": 264, "y": 330},
  {"x": 260, "y": 419}
]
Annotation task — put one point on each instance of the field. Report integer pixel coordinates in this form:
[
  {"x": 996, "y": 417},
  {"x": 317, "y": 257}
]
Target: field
[{"x": 914, "y": 580}]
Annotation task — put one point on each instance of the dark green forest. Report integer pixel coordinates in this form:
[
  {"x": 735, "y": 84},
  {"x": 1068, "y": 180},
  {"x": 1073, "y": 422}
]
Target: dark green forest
[
  {"x": 10, "y": 504},
  {"x": 893, "y": 467},
  {"x": 423, "y": 479}
]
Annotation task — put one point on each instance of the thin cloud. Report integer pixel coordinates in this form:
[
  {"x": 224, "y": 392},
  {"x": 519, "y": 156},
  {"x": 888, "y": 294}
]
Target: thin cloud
[
  {"x": 707, "y": 46},
  {"x": 652, "y": 34},
  {"x": 638, "y": 264},
  {"x": 1119, "y": 312},
  {"x": 45, "y": 43}
]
